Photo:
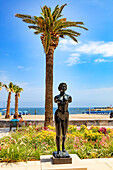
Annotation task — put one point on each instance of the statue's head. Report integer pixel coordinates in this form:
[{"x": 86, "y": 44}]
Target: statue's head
[{"x": 62, "y": 87}]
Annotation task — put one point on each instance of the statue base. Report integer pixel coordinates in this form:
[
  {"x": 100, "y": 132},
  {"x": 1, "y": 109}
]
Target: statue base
[{"x": 62, "y": 158}]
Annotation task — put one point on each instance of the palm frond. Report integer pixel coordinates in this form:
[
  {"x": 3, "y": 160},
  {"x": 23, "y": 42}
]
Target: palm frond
[
  {"x": 50, "y": 9},
  {"x": 68, "y": 24},
  {"x": 34, "y": 27},
  {"x": 50, "y": 16},
  {"x": 22, "y": 16},
  {"x": 36, "y": 18},
  {"x": 61, "y": 36},
  {"x": 10, "y": 85},
  {"x": 56, "y": 9},
  {"x": 68, "y": 31},
  {"x": 72, "y": 37},
  {"x": 41, "y": 23},
  {"x": 44, "y": 11},
  {"x": 19, "y": 94},
  {"x": 30, "y": 21},
  {"x": 4, "y": 85},
  {"x": 58, "y": 23},
  {"x": 1, "y": 85},
  {"x": 37, "y": 28},
  {"x": 9, "y": 90},
  {"x": 61, "y": 20},
  {"x": 59, "y": 11},
  {"x": 21, "y": 89},
  {"x": 48, "y": 24},
  {"x": 71, "y": 24},
  {"x": 82, "y": 27},
  {"x": 37, "y": 32}
]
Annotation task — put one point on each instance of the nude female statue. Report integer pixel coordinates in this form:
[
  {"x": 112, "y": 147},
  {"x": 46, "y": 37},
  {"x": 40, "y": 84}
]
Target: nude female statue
[{"x": 61, "y": 116}]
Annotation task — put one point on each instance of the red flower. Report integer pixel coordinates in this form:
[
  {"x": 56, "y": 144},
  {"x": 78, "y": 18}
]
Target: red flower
[
  {"x": 45, "y": 128},
  {"x": 102, "y": 130}
]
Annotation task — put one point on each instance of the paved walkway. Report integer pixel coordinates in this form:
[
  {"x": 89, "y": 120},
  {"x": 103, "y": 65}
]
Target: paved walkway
[
  {"x": 4, "y": 132},
  {"x": 89, "y": 164}
]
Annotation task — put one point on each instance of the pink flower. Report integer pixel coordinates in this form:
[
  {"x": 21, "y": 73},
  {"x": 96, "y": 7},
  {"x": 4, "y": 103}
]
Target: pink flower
[
  {"x": 75, "y": 146},
  {"x": 9, "y": 138},
  {"x": 0, "y": 148}
]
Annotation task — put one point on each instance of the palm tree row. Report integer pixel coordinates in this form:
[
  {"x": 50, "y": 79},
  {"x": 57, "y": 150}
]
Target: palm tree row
[
  {"x": 15, "y": 89},
  {"x": 51, "y": 27}
]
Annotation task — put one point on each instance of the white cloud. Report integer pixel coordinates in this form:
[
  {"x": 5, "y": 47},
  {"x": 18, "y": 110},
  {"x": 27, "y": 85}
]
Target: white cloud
[
  {"x": 67, "y": 42},
  {"x": 72, "y": 60},
  {"x": 100, "y": 60},
  {"x": 21, "y": 67},
  {"x": 26, "y": 69},
  {"x": 75, "y": 55},
  {"x": 105, "y": 49},
  {"x": 67, "y": 45},
  {"x": 99, "y": 47},
  {"x": 91, "y": 47}
]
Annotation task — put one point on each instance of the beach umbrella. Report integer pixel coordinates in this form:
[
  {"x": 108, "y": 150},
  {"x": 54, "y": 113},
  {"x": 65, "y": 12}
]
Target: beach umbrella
[{"x": 24, "y": 112}]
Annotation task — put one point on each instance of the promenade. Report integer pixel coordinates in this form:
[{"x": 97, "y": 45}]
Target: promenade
[
  {"x": 71, "y": 117},
  {"x": 77, "y": 164}
]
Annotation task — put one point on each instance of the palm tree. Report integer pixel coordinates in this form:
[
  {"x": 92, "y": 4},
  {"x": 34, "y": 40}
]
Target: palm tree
[
  {"x": 17, "y": 91},
  {"x": 51, "y": 27},
  {"x": 1, "y": 85},
  {"x": 10, "y": 89}
]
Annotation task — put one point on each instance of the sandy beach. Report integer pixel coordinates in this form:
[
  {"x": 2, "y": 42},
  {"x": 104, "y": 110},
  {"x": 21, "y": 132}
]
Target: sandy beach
[{"x": 71, "y": 117}]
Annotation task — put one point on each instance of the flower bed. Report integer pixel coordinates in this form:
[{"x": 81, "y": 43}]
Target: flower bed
[{"x": 31, "y": 142}]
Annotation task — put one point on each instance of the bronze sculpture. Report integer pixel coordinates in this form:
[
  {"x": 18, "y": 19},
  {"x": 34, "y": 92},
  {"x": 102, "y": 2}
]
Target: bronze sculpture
[{"x": 61, "y": 119}]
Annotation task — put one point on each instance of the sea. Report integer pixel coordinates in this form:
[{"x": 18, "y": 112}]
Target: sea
[{"x": 41, "y": 111}]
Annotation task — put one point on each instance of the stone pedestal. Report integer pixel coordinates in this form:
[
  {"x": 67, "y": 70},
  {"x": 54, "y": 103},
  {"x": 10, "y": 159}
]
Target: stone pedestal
[{"x": 64, "y": 158}]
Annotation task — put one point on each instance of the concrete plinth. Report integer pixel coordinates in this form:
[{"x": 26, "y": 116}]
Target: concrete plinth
[
  {"x": 46, "y": 163},
  {"x": 65, "y": 158},
  {"x": 61, "y": 160}
]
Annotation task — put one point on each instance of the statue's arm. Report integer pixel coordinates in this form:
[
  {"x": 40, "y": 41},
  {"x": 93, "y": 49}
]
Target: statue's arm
[
  {"x": 70, "y": 99},
  {"x": 55, "y": 99}
]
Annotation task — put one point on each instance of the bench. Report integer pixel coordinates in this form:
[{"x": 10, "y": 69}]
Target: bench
[{"x": 15, "y": 124}]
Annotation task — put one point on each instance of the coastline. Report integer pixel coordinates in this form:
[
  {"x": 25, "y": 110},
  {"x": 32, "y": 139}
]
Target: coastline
[{"x": 71, "y": 117}]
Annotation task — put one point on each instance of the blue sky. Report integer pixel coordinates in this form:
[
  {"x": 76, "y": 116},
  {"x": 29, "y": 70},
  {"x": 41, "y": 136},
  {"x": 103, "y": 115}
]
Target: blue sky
[{"x": 86, "y": 67}]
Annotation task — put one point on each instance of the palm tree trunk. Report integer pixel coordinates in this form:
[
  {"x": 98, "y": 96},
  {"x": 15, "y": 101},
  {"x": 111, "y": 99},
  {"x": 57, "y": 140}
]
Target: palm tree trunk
[
  {"x": 8, "y": 106},
  {"x": 16, "y": 104},
  {"x": 49, "y": 89}
]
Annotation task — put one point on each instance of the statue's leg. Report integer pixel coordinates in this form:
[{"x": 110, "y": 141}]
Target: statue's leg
[
  {"x": 58, "y": 132},
  {"x": 64, "y": 131}
]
